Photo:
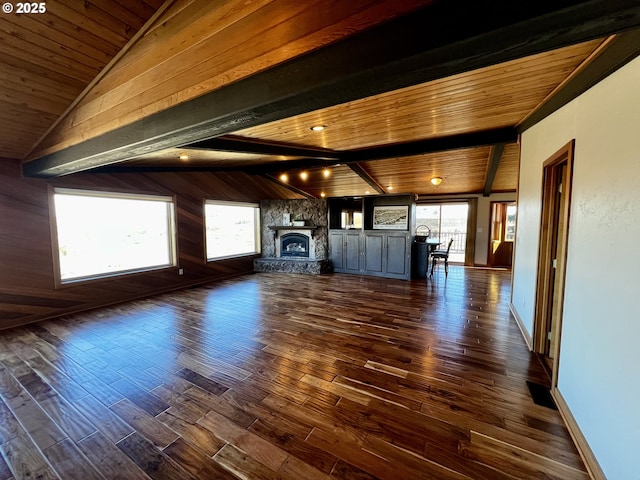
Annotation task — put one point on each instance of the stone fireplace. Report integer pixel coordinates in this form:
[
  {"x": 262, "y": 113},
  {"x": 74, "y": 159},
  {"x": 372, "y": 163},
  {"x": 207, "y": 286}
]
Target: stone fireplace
[{"x": 289, "y": 248}]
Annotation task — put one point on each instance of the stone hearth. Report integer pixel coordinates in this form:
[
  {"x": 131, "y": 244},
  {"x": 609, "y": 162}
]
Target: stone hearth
[{"x": 291, "y": 265}]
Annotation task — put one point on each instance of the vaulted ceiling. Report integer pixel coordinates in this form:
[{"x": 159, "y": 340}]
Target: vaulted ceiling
[{"x": 405, "y": 90}]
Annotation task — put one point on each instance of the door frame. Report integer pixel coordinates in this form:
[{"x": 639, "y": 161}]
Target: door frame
[
  {"x": 548, "y": 233},
  {"x": 503, "y": 230}
]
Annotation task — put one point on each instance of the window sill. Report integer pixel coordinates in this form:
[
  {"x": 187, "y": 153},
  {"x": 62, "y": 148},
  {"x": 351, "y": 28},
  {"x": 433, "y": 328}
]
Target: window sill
[
  {"x": 72, "y": 282},
  {"x": 230, "y": 257}
]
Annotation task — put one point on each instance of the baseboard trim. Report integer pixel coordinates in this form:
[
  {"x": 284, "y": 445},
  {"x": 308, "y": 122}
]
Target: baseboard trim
[
  {"x": 589, "y": 459},
  {"x": 523, "y": 330}
]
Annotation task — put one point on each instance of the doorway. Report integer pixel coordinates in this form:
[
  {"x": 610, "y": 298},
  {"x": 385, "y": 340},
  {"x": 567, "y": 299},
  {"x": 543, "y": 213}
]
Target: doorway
[
  {"x": 503, "y": 232},
  {"x": 554, "y": 231}
]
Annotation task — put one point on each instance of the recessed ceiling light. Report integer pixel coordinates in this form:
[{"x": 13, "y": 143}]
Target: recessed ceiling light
[
  {"x": 389, "y": 187},
  {"x": 284, "y": 178},
  {"x": 322, "y": 194},
  {"x": 184, "y": 157},
  {"x": 304, "y": 175},
  {"x": 367, "y": 192},
  {"x": 436, "y": 180},
  {"x": 318, "y": 128},
  {"x": 326, "y": 173}
]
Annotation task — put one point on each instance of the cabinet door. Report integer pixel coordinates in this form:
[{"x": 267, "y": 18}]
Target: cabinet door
[
  {"x": 352, "y": 252},
  {"x": 373, "y": 253},
  {"x": 398, "y": 259},
  {"x": 336, "y": 250}
]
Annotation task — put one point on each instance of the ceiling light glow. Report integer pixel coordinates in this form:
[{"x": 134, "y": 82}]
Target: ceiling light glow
[
  {"x": 436, "y": 180},
  {"x": 284, "y": 178},
  {"x": 318, "y": 128},
  {"x": 304, "y": 175}
]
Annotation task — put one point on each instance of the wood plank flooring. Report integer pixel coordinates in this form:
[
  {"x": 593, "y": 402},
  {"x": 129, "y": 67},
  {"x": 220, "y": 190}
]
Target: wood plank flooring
[{"x": 281, "y": 376}]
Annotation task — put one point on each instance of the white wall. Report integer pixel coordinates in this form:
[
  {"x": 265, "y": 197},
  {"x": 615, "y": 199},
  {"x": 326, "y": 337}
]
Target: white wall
[{"x": 599, "y": 372}]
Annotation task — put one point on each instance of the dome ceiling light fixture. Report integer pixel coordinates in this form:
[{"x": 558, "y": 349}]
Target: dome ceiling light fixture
[
  {"x": 436, "y": 180},
  {"x": 317, "y": 128}
]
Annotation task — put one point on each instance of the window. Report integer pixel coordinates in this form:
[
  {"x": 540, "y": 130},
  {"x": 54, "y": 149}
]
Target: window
[
  {"x": 232, "y": 229},
  {"x": 446, "y": 221},
  {"x": 101, "y": 234},
  {"x": 351, "y": 219},
  {"x": 510, "y": 224}
]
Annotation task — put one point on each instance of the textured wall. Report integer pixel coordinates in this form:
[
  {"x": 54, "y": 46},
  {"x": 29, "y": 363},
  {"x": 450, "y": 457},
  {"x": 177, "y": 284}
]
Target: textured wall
[
  {"x": 314, "y": 212},
  {"x": 599, "y": 353}
]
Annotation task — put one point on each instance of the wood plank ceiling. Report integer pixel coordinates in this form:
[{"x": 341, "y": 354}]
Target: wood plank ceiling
[
  {"x": 96, "y": 85},
  {"x": 48, "y": 59}
]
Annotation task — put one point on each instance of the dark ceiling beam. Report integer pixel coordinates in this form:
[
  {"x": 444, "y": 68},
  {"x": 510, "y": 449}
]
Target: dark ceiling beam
[
  {"x": 398, "y": 150},
  {"x": 620, "y": 51},
  {"x": 366, "y": 176},
  {"x": 250, "y": 145},
  {"x": 433, "y": 145},
  {"x": 441, "y": 39},
  {"x": 286, "y": 185},
  {"x": 124, "y": 168},
  {"x": 260, "y": 169},
  {"x": 492, "y": 167}
]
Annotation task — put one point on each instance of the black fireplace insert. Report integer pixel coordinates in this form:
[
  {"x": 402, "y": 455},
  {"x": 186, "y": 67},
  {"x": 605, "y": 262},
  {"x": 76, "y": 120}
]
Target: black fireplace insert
[{"x": 294, "y": 245}]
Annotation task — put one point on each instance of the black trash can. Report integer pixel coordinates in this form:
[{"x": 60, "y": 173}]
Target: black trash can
[{"x": 419, "y": 256}]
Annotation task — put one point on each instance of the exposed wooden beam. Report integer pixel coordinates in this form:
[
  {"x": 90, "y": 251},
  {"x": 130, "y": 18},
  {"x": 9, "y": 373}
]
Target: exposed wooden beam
[
  {"x": 442, "y": 39},
  {"x": 260, "y": 169},
  {"x": 492, "y": 167},
  {"x": 290, "y": 187},
  {"x": 419, "y": 147},
  {"x": 366, "y": 176},
  {"x": 620, "y": 51},
  {"x": 231, "y": 143},
  {"x": 432, "y": 145}
]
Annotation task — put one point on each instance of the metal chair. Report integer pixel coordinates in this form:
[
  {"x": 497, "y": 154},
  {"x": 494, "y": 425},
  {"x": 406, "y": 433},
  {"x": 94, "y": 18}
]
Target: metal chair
[{"x": 444, "y": 254}]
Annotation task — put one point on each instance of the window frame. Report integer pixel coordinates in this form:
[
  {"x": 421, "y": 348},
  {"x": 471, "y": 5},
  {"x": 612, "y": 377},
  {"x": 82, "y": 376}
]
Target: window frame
[
  {"x": 507, "y": 223},
  {"x": 471, "y": 202},
  {"x": 169, "y": 200},
  {"x": 257, "y": 228}
]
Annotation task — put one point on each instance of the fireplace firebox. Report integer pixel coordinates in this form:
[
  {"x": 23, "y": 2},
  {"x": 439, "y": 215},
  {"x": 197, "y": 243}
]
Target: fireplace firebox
[{"x": 294, "y": 245}]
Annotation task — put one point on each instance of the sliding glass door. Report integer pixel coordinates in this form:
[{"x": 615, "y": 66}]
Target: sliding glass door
[{"x": 446, "y": 221}]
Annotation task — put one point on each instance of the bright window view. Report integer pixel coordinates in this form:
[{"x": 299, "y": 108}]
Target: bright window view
[
  {"x": 446, "y": 221},
  {"x": 232, "y": 229},
  {"x": 510, "y": 233},
  {"x": 101, "y": 233}
]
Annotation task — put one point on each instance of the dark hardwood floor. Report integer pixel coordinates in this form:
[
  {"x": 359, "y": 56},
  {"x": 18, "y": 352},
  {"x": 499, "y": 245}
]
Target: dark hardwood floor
[{"x": 273, "y": 376}]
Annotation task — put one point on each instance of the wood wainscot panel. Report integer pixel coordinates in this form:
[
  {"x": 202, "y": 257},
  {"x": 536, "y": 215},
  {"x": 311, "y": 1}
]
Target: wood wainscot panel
[{"x": 27, "y": 279}]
